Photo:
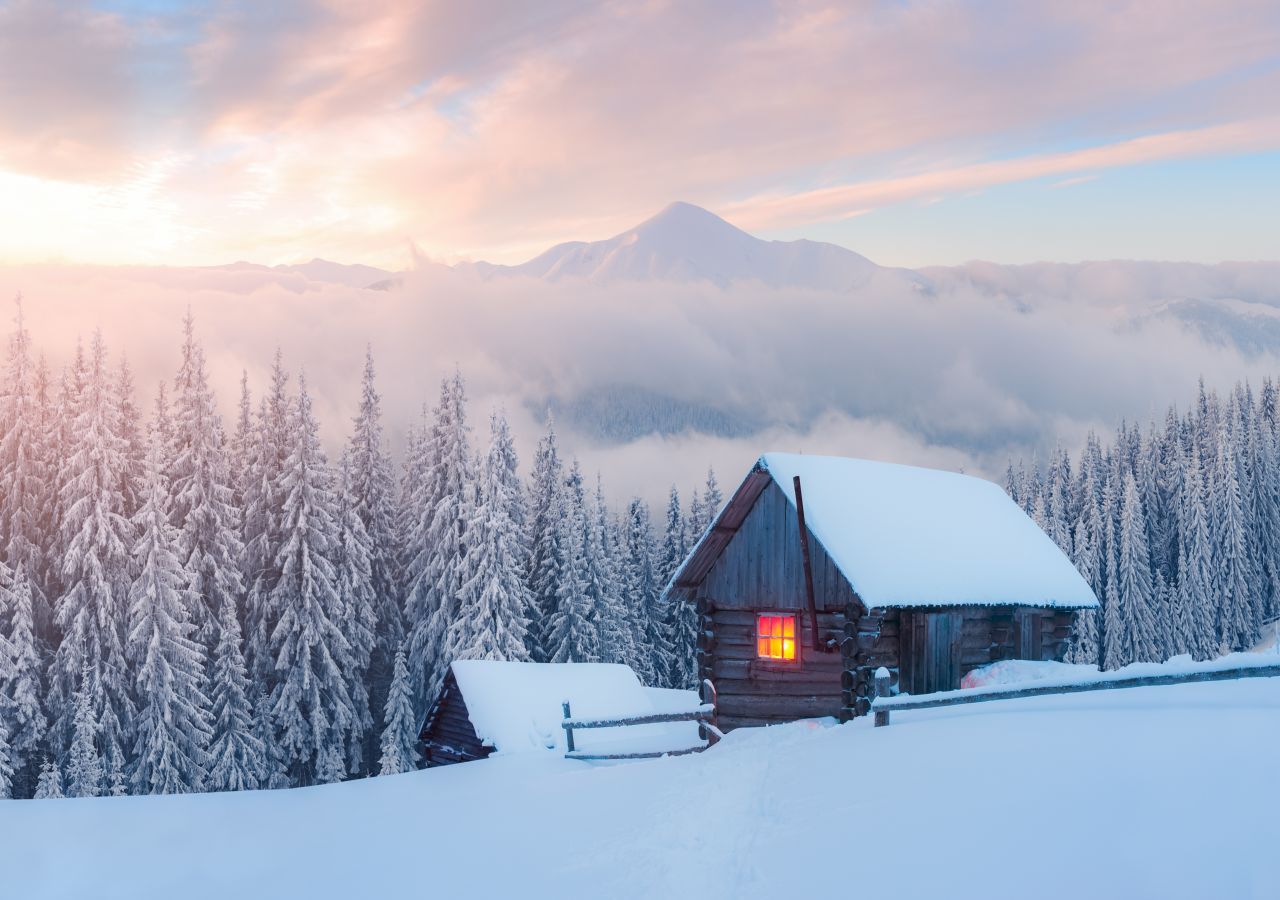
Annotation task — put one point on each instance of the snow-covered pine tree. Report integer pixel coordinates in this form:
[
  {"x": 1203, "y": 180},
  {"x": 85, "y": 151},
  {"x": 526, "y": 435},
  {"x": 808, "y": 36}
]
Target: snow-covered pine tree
[
  {"x": 50, "y": 785},
  {"x": 573, "y": 634},
  {"x": 1131, "y": 623},
  {"x": 25, "y": 495},
  {"x": 399, "y": 735},
  {"x": 273, "y": 774},
  {"x": 96, "y": 571},
  {"x": 1195, "y": 623},
  {"x": 262, "y": 525},
  {"x": 372, "y": 490},
  {"x": 641, "y": 587},
  {"x": 236, "y": 754},
  {"x": 494, "y": 600},
  {"x": 240, "y": 450},
  {"x": 20, "y": 672},
  {"x": 437, "y": 542},
  {"x": 354, "y": 565},
  {"x": 85, "y": 772},
  {"x": 202, "y": 507},
  {"x": 1233, "y": 584},
  {"x": 681, "y": 618},
  {"x": 134, "y": 447},
  {"x": 617, "y": 637},
  {"x": 1088, "y": 559},
  {"x": 546, "y": 501},
  {"x": 173, "y": 723},
  {"x": 7, "y": 769},
  {"x": 712, "y": 499},
  {"x": 310, "y": 699}
]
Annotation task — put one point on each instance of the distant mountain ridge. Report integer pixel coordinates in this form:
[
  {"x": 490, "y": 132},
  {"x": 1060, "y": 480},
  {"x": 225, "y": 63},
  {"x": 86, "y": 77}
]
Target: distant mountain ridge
[{"x": 685, "y": 243}]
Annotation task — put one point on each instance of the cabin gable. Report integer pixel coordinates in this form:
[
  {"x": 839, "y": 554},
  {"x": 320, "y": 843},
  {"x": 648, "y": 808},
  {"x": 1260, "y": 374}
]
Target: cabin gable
[
  {"x": 762, "y": 567},
  {"x": 447, "y": 735}
]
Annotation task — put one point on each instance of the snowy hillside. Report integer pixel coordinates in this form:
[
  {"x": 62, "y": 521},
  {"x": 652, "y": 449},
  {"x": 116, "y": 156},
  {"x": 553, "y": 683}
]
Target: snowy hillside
[
  {"x": 688, "y": 243},
  {"x": 1155, "y": 792}
]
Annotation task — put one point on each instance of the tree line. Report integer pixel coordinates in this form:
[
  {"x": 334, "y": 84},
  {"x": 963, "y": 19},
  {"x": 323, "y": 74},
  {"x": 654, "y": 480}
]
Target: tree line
[
  {"x": 1176, "y": 529},
  {"x": 186, "y": 606}
]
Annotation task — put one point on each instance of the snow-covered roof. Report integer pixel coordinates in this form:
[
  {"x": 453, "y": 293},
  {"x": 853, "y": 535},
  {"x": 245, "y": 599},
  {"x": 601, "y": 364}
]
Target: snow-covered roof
[
  {"x": 909, "y": 536},
  {"x": 515, "y": 707}
]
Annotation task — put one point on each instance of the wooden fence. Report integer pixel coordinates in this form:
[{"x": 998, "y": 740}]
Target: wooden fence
[
  {"x": 884, "y": 704},
  {"x": 704, "y": 715}
]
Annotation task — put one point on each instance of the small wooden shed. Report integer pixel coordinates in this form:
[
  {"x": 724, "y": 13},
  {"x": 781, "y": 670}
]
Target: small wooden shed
[{"x": 927, "y": 573}]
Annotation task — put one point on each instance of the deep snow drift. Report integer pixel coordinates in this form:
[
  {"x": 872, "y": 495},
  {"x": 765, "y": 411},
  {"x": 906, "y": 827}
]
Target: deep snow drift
[{"x": 1152, "y": 792}]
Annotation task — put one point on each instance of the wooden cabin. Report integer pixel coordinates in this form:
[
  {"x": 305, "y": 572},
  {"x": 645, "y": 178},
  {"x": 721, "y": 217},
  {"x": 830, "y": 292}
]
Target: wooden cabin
[
  {"x": 486, "y": 706},
  {"x": 819, "y": 570}
]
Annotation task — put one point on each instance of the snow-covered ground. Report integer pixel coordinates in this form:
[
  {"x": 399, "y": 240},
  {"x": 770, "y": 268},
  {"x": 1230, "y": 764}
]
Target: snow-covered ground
[{"x": 1153, "y": 792}]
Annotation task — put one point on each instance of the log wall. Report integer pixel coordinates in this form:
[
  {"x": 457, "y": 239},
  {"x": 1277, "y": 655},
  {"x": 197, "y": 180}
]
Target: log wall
[{"x": 448, "y": 736}]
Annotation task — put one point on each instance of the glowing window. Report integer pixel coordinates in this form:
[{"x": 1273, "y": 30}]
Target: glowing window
[{"x": 775, "y": 636}]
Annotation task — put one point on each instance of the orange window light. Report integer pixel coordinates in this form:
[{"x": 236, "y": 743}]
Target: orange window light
[{"x": 775, "y": 636}]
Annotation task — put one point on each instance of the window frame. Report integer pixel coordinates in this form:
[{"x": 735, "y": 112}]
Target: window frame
[{"x": 776, "y": 661}]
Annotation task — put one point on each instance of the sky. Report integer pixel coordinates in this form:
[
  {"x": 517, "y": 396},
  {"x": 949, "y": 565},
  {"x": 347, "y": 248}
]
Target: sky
[{"x": 387, "y": 131}]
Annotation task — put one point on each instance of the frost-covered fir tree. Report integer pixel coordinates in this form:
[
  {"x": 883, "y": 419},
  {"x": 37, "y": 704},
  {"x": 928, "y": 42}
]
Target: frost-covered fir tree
[
  {"x": 134, "y": 447},
  {"x": 1234, "y": 586},
  {"x": 354, "y": 564},
  {"x": 6, "y": 763},
  {"x": 546, "y": 501},
  {"x": 22, "y": 451},
  {"x": 641, "y": 588},
  {"x": 682, "y": 619},
  {"x": 96, "y": 570},
  {"x": 712, "y": 499},
  {"x": 263, "y": 494},
  {"x": 203, "y": 510},
  {"x": 1195, "y": 622},
  {"x": 310, "y": 698},
  {"x": 236, "y": 755},
  {"x": 20, "y": 673},
  {"x": 49, "y": 786},
  {"x": 273, "y": 775},
  {"x": 372, "y": 490},
  {"x": 399, "y": 735},
  {"x": 1131, "y": 622},
  {"x": 437, "y": 541},
  {"x": 85, "y": 772},
  {"x": 494, "y": 600},
  {"x": 613, "y": 621},
  {"x": 173, "y": 725},
  {"x": 573, "y": 635}
]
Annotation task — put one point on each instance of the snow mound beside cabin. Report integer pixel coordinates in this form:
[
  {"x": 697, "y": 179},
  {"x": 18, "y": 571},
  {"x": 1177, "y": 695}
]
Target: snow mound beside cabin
[
  {"x": 516, "y": 707},
  {"x": 1010, "y": 672}
]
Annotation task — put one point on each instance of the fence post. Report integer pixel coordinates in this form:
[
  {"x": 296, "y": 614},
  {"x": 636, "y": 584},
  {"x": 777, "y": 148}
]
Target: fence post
[
  {"x": 882, "y": 690},
  {"x": 707, "y": 694},
  {"x": 568, "y": 729}
]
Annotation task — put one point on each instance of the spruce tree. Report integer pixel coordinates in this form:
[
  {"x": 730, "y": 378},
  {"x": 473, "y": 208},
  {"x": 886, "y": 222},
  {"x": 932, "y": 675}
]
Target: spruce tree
[
  {"x": 173, "y": 723},
  {"x": 494, "y": 600},
  {"x": 203, "y": 509},
  {"x": 439, "y": 542},
  {"x": 1195, "y": 623},
  {"x": 613, "y": 621},
  {"x": 573, "y": 635},
  {"x": 236, "y": 754},
  {"x": 96, "y": 571},
  {"x": 354, "y": 564},
  {"x": 1131, "y": 622},
  {"x": 7, "y": 766},
  {"x": 50, "y": 785},
  {"x": 1233, "y": 584},
  {"x": 546, "y": 559},
  {"x": 310, "y": 700},
  {"x": 85, "y": 772},
  {"x": 653, "y": 658},
  {"x": 23, "y": 502},
  {"x": 399, "y": 736},
  {"x": 20, "y": 673}
]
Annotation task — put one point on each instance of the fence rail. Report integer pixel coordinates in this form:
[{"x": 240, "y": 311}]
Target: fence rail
[
  {"x": 885, "y": 704},
  {"x": 704, "y": 715}
]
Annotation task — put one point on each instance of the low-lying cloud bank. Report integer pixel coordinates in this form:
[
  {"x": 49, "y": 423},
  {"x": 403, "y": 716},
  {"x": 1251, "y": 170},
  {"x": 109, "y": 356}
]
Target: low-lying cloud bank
[{"x": 653, "y": 382}]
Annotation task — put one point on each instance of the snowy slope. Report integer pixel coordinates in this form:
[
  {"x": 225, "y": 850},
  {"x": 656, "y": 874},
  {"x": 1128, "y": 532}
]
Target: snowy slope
[
  {"x": 687, "y": 243},
  {"x": 1154, "y": 792}
]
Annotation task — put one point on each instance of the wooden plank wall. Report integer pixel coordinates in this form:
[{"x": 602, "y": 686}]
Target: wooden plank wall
[
  {"x": 751, "y": 691},
  {"x": 762, "y": 567},
  {"x": 448, "y": 736}
]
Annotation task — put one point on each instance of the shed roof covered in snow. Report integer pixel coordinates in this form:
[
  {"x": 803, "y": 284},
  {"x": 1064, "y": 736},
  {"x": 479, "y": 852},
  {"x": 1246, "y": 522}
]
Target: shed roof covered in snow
[{"x": 904, "y": 536}]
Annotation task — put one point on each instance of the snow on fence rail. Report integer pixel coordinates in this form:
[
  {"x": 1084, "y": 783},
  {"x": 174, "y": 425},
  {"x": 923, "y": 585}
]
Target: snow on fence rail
[
  {"x": 884, "y": 703},
  {"x": 704, "y": 715}
]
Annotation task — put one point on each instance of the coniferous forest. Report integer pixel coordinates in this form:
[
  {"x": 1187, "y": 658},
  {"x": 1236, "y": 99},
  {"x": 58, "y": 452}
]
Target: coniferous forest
[{"x": 187, "y": 605}]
